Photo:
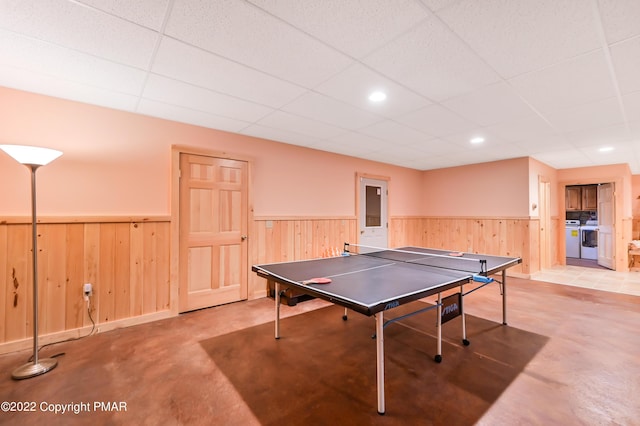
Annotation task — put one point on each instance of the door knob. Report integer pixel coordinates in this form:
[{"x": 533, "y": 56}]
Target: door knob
[{"x": 244, "y": 237}]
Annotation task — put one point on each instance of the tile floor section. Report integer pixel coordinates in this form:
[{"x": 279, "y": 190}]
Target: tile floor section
[{"x": 597, "y": 279}]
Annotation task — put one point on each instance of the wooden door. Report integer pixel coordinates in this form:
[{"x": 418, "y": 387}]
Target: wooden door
[
  {"x": 213, "y": 231},
  {"x": 606, "y": 243}
]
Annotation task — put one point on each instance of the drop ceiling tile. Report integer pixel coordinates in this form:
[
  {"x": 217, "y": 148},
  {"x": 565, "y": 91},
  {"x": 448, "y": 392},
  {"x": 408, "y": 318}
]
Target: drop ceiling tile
[
  {"x": 354, "y": 27},
  {"x": 78, "y": 27},
  {"x": 545, "y": 144},
  {"x": 463, "y": 139},
  {"x": 189, "y": 116},
  {"x": 587, "y": 116},
  {"x": 634, "y": 130},
  {"x": 360, "y": 142},
  {"x": 548, "y": 31},
  {"x": 433, "y": 62},
  {"x": 626, "y": 62},
  {"x": 280, "y": 135},
  {"x": 388, "y": 155},
  {"x": 392, "y": 131},
  {"x": 620, "y": 18},
  {"x": 563, "y": 85},
  {"x": 563, "y": 159},
  {"x": 190, "y": 64},
  {"x": 174, "y": 92},
  {"x": 530, "y": 128},
  {"x": 356, "y": 83},
  {"x": 264, "y": 42},
  {"x": 328, "y": 110},
  {"x": 340, "y": 147},
  {"x": 71, "y": 65},
  {"x": 620, "y": 154},
  {"x": 503, "y": 151},
  {"x": 493, "y": 104},
  {"x": 631, "y": 104},
  {"x": 436, "y": 5},
  {"x": 599, "y": 136},
  {"x": 436, "y": 120},
  {"x": 148, "y": 13},
  {"x": 302, "y": 125},
  {"x": 437, "y": 147},
  {"x": 469, "y": 157},
  {"x": 29, "y": 81}
]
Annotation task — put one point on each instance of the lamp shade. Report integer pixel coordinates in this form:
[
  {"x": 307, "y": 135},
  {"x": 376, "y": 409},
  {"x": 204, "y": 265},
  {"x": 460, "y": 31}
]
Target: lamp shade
[{"x": 31, "y": 154}]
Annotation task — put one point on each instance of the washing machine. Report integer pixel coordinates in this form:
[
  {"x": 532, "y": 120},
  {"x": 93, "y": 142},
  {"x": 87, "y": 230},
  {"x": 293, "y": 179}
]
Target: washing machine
[{"x": 573, "y": 238}]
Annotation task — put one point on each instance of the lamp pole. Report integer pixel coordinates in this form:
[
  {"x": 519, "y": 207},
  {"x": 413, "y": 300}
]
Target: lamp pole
[
  {"x": 33, "y": 158},
  {"x": 37, "y": 366}
]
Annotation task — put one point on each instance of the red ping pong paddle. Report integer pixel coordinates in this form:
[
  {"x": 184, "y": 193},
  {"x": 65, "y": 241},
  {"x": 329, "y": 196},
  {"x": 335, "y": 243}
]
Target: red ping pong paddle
[{"x": 317, "y": 281}]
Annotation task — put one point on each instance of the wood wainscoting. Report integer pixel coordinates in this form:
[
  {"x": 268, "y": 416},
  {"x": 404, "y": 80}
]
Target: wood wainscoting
[
  {"x": 496, "y": 236},
  {"x": 126, "y": 261},
  {"x": 285, "y": 239}
]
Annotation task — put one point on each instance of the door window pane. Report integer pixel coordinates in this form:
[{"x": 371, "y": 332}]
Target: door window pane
[{"x": 373, "y": 202}]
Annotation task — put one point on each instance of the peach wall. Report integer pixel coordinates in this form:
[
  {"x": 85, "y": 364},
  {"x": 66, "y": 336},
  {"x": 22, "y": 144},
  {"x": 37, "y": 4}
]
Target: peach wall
[
  {"x": 118, "y": 163},
  {"x": 495, "y": 189},
  {"x": 536, "y": 171}
]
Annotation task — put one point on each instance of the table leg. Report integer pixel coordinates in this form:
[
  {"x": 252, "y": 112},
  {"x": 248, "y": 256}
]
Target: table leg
[
  {"x": 504, "y": 296},
  {"x": 464, "y": 318},
  {"x": 438, "y": 356},
  {"x": 380, "y": 359},
  {"x": 277, "y": 299}
]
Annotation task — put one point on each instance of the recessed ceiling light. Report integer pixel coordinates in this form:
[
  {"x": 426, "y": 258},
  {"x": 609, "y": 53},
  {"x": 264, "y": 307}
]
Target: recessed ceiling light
[
  {"x": 606, "y": 149},
  {"x": 477, "y": 140},
  {"x": 377, "y": 96}
]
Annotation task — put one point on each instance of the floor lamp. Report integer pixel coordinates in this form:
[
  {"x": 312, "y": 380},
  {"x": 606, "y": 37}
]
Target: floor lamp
[{"x": 33, "y": 157}]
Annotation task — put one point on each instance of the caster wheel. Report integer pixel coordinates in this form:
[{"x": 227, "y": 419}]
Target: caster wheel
[
  {"x": 465, "y": 342},
  {"x": 344, "y": 318},
  {"x": 438, "y": 358}
]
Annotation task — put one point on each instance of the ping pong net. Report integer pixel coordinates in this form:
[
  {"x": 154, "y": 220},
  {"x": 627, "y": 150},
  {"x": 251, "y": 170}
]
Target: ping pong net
[{"x": 465, "y": 262}]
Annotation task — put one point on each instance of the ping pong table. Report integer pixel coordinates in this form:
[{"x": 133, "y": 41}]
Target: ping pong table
[{"x": 371, "y": 281}]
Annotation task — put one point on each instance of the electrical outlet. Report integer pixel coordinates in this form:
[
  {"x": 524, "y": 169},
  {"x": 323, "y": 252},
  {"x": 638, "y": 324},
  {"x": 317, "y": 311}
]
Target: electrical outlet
[{"x": 87, "y": 290}]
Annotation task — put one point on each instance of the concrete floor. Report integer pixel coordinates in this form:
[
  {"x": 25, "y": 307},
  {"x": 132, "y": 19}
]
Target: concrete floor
[{"x": 570, "y": 355}]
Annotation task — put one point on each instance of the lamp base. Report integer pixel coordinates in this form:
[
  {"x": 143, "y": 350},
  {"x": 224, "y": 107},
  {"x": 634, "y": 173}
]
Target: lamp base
[{"x": 29, "y": 370}]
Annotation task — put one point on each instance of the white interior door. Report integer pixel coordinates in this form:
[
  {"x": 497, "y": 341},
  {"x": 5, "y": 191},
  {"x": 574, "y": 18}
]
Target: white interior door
[
  {"x": 605, "y": 225},
  {"x": 373, "y": 221}
]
